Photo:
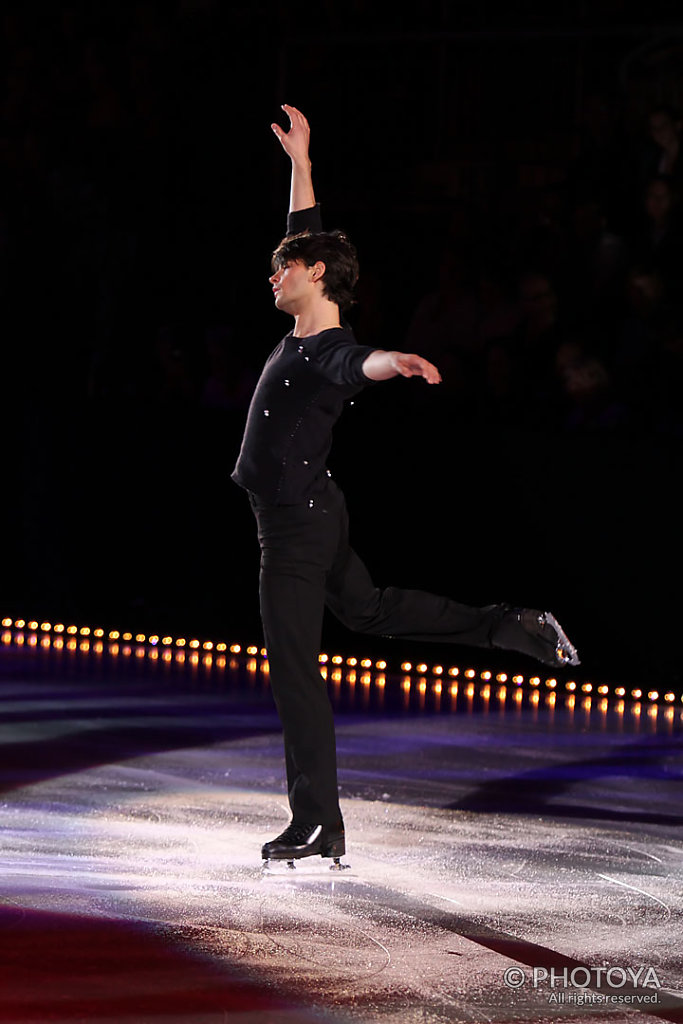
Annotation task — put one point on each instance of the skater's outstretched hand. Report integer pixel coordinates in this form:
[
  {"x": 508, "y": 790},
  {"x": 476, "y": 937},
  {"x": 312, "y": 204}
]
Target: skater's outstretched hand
[
  {"x": 381, "y": 365},
  {"x": 294, "y": 142},
  {"x": 410, "y": 365}
]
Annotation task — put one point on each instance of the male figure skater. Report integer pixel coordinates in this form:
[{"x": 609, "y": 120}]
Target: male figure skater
[{"x": 306, "y": 559}]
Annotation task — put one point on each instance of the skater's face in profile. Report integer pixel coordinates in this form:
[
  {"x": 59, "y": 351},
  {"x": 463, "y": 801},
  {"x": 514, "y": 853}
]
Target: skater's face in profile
[{"x": 294, "y": 284}]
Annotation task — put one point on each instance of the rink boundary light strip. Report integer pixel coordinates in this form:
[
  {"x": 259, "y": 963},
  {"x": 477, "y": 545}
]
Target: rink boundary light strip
[{"x": 81, "y": 637}]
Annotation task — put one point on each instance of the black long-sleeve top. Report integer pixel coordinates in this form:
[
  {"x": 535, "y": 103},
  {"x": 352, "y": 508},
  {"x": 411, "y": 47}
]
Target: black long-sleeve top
[{"x": 298, "y": 399}]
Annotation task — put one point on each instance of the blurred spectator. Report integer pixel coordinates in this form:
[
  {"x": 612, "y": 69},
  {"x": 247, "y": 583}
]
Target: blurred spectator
[
  {"x": 598, "y": 167},
  {"x": 229, "y": 383},
  {"x": 543, "y": 240},
  {"x": 663, "y": 156},
  {"x": 591, "y": 403},
  {"x": 668, "y": 376},
  {"x": 658, "y": 240},
  {"x": 499, "y": 314},
  {"x": 520, "y": 370},
  {"x": 176, "y": 380},
  {"x": 637, "y": 341},
  {"x": 596, "y": 263},
  {"x": 445, "y": 324}
]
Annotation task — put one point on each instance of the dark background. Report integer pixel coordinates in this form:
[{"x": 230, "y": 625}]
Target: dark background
[{"x": 493, "y": 164}]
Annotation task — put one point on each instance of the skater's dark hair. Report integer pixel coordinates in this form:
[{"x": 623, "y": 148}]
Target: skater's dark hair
[{"x": 335, "y": 250}]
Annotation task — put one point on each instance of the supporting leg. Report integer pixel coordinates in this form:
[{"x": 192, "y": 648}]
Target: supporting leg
[{"x": 297, "y": 545}]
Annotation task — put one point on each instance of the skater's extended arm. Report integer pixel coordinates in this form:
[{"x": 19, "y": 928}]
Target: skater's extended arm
[
  {"x": 381, "y": 365},
  {"x": 295, "y": 144}
]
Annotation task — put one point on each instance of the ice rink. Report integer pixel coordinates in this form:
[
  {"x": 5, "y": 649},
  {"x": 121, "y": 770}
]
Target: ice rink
[{"x": 514, "y": 852}]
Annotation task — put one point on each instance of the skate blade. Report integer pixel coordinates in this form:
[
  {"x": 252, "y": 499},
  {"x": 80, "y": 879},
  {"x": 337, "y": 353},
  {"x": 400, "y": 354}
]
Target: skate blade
[
  {"x": 308, "y": 867},
  {"x": 565, "y": 651}
]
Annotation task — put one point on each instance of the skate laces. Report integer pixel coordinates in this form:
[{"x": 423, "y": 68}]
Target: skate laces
[{"x": 296, "y": 833}]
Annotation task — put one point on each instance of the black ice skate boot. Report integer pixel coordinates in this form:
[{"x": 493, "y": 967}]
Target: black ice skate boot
[
  {"x": 301, "y": 839},
  {"x": 537, "y": 634}
]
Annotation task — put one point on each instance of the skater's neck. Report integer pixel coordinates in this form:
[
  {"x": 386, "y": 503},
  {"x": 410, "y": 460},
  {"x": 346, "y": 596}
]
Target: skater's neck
[{"x": 314, "y": 313}]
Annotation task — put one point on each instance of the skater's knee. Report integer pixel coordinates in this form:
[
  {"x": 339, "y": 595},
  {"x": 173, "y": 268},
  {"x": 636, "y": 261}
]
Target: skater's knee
[
  {"x": 357, "y": 622},
  {"x": 364, "y": 617}
]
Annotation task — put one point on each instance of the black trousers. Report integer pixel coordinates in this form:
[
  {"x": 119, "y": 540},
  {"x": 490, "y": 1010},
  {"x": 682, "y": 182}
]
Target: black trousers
[{"x": 307, "y": 563}]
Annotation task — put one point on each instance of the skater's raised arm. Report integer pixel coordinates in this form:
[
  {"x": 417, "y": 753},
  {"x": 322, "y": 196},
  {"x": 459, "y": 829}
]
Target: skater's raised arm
[
  {"x": 381, "y": 365},
  {"x": 295, "y": 143}
]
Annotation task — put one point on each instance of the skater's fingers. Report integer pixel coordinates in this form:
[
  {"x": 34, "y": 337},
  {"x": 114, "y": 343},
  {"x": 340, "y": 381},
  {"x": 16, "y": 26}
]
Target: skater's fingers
[
  {"x": 430, "y": 373},
  {"x": 296, "y": 118},
  {"x": 294, "y": 113}
]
